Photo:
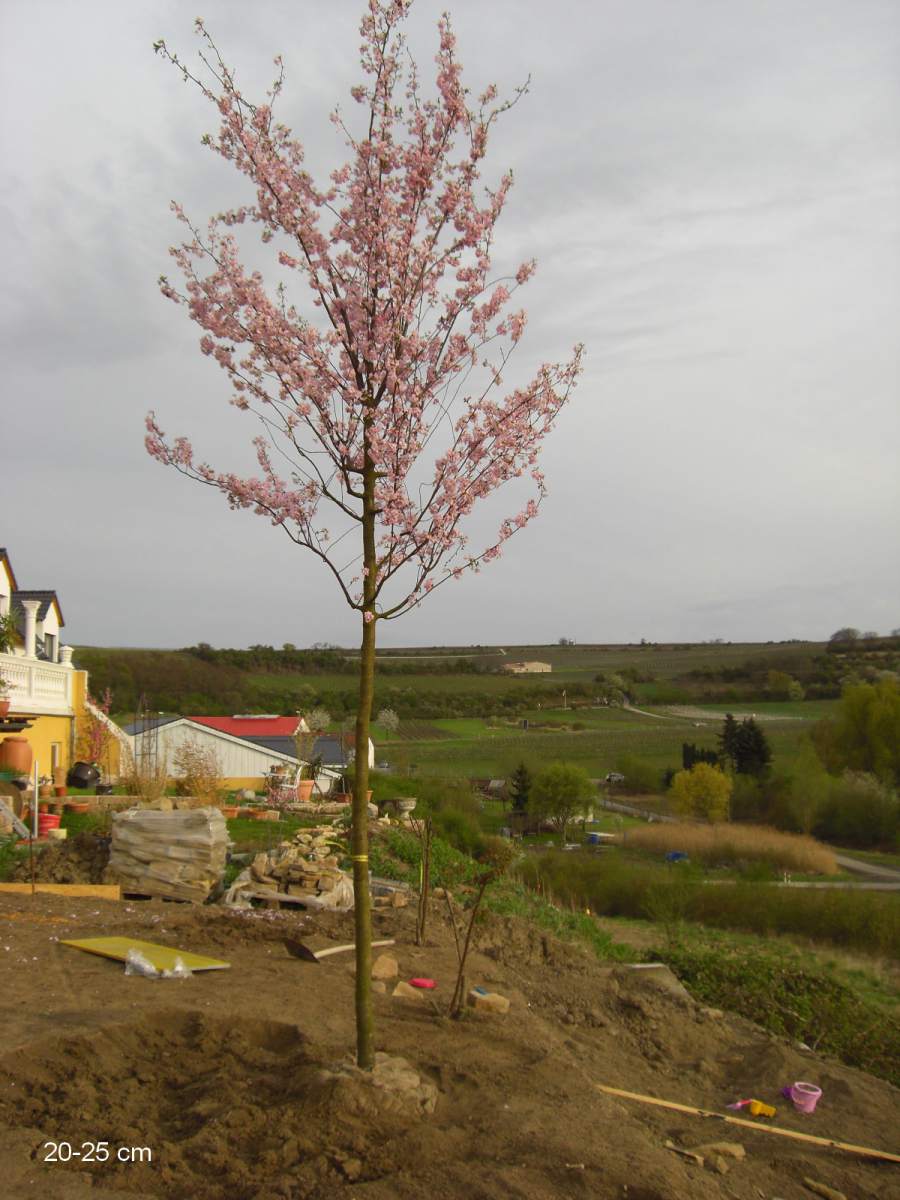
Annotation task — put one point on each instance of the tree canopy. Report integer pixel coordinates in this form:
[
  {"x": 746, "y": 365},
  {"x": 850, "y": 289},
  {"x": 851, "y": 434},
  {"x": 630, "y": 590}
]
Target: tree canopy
[
  {"x": 560, "y": 793},
  {"x": 703, "y": 791}
]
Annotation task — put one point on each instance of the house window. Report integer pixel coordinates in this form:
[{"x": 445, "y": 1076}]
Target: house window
[
  {"x": 50, "y": 646},
  {"x": 55, "y": 755}
]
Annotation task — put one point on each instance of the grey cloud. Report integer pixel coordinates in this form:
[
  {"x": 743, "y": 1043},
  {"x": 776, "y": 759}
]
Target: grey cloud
[{"x": 711, "y": 191}]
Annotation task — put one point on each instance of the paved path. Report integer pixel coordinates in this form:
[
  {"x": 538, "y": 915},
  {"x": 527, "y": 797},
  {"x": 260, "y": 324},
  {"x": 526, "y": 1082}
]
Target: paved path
[{"x": 866, "y": 868}]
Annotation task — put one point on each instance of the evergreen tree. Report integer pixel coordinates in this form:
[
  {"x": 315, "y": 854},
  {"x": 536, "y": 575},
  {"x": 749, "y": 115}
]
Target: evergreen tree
[
  {"x": 752, "y": 753},
  {"x": 520, "y": 788},
  {"x": 728, "y": 739},
  {"x": 691, "y": 753}
]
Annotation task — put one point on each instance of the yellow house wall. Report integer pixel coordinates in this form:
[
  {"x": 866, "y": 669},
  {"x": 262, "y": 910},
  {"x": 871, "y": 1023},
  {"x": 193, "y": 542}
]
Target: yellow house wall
[
  {"x": 258, "y": 784},
  {"x": 41, "y": 736},
  {"x": 65, "y": 730}
]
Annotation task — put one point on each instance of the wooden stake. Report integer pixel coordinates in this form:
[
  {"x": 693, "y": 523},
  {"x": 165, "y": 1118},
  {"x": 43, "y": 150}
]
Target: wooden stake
[{"x": 863, "y": 1151}]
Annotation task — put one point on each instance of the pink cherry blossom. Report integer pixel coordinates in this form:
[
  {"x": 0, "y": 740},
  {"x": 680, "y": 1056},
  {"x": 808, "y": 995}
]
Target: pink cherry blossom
[{"x": 379, "y": 387}]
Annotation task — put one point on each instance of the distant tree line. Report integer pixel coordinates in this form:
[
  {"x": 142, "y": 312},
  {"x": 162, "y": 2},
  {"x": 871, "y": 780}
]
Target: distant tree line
[
  {"x": 327, "y": 660},
  {"x": 194, "y": 681}
]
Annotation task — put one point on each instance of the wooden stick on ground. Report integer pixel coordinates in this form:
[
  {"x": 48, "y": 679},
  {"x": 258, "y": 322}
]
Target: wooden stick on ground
[
  {"x": 349, "y": 946},
  {"x": 862, "y": 1151}
]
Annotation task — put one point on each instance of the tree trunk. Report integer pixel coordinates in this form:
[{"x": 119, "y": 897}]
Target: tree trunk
[
  {"x": 359, "y": 846},
  {"x": 362, "y": 901}
]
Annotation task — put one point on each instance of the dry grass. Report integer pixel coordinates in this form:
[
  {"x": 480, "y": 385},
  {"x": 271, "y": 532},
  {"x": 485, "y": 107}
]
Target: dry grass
[
  {"x": 144, "y": 779},
  {"x": 725, "y": 844},
  {"x": 199, "y": 772}
]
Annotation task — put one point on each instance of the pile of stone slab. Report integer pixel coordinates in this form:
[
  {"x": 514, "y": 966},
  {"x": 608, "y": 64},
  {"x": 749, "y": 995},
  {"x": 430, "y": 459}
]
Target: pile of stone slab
[
  {"x": 174, "y": 855},
  {"x": 305, "y": 869}
]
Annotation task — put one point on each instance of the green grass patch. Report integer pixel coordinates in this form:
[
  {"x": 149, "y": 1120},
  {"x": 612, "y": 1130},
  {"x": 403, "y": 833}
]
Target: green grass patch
[
  {"x": 795, "y": 1000},
  {"x": 865, "y": 921},
  {"x": 512, "y": 899},
  {"x": 248, "y": 834}
]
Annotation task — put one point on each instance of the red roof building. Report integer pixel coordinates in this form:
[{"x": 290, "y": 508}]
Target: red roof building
[{"x": 250, "y": 726}]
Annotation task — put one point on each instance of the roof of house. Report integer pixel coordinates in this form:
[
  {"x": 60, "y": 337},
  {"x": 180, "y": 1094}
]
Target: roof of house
[
  {"x": 146, "y": 724},
  {"x": 287, "y": 750},
  {"x": 252, "y": 727},
  {"x": 330, "y": 751},
  {"x": 46, "y": 598},
  {"x": 4, "y": 557},
  {"x": 281, "y": 745}
]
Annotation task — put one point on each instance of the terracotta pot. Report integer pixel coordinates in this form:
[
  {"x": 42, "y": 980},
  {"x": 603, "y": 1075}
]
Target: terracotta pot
[
  {"x": 59, "y": 789},
  {"x": 341, "y": 797},
  {"x": 305, "y": 790},
  {"x": 16, "y": 755},
  {"x": 78, "y": 806},
  {"x": 45, "y": 791},
  {"x": 4, "y": 706},
  {"x": 43, "y": 808},
  {"x": 229, "y": 811}
]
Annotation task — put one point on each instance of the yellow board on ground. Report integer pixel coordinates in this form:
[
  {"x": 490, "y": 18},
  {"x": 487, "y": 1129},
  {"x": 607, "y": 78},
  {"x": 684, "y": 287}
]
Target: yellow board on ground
[
  {"x": 162, "y": 957},
  {"x": 96, "y": 891}
]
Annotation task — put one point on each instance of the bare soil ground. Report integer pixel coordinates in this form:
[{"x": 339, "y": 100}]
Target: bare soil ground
[{"x": 221, "y": 1074}]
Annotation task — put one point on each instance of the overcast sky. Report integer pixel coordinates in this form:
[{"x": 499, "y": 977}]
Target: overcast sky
[{"x": 712, "y": 192}]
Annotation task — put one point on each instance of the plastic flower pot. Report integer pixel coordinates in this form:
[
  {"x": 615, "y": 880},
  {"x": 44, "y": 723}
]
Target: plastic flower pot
[{"x": 46, "y": 822}]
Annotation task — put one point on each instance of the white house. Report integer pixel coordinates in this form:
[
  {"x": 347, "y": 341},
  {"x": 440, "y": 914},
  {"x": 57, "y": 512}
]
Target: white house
[{"x": 242, "y": 763}]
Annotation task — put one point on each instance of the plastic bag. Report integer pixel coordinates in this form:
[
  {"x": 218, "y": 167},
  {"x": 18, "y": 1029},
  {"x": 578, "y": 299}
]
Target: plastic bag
[{"x": 137, "y": 964}]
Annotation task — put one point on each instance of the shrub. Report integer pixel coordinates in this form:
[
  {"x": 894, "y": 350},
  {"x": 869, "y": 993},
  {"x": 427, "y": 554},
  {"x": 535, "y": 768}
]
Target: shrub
[
  {"x": 199, "y": 771},
  {"x": 703, "y": 791},
  {"x": 866, "y": 921},
  {"x": 640, "y": 776},
  {"x": 144, "y": 777},
  {"x": 859, "y": 810},
  {"x": 717, "y": 845}
]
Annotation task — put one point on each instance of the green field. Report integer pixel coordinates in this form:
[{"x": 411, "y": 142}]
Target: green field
[{"x": 482, "y": 749}]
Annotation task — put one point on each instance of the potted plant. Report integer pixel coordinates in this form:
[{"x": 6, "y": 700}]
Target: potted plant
[
  {"x": 101, "y": 788},
  {"x": 4, "y": 697},
  {"x": 307, "y": 782}
]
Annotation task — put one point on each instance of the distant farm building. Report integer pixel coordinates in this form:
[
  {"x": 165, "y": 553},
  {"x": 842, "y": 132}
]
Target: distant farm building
[{"x": 527, "y": 668}]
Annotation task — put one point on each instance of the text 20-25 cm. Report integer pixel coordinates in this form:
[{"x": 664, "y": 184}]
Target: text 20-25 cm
[{"x": 95, "y": 1152}]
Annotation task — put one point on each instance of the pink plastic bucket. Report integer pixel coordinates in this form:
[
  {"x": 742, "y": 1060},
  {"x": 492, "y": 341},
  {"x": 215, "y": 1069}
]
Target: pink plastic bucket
[{"x": 805, "y": 1096}]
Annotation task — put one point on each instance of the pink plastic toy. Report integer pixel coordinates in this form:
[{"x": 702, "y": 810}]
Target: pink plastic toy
[
  {"x": 804, "y": 1096},
  {"x": 422, "y": 983}
]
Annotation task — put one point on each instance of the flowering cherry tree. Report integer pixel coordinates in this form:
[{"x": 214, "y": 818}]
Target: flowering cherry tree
[{"x": 377, "y": 380}]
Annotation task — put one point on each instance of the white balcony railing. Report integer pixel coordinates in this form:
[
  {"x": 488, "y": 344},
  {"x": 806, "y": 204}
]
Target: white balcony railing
[{"x": 36, "y": 686}]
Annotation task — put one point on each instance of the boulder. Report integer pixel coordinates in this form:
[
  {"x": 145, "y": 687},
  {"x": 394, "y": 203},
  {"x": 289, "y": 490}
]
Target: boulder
[
  {"x": 385, "y": 967},
  {"x": 404, "y": 991},
  {"x": 488, "y": 1002}
]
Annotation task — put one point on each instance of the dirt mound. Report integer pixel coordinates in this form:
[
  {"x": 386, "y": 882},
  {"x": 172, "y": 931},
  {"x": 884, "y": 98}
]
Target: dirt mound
[
  {"x": 234, "y": 1079},
  {"x": 223, "y": 1096},
  {"x": 81, "y": 859}
]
